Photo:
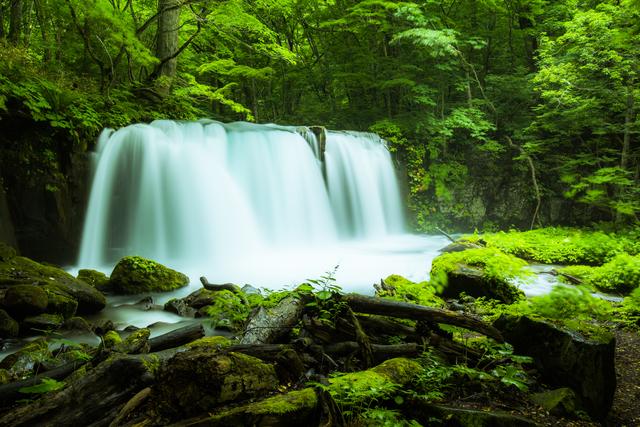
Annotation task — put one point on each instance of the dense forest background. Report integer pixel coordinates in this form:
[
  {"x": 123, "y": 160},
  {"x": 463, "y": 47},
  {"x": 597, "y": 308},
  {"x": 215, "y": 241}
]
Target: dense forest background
[{"x": 501, "y": 112}]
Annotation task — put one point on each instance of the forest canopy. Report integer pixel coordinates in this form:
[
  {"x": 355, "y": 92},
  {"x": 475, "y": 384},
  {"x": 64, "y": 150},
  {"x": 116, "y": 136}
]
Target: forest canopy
[{"x": 534, "y": 102}]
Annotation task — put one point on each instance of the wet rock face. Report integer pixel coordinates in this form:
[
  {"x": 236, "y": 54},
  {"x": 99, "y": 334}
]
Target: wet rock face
[
  {"x": 566, "y": 358},
  {"x": 196, "y": 381},
  {"x": 134, "y": 275},
  {"x": 25, "y": 300}
]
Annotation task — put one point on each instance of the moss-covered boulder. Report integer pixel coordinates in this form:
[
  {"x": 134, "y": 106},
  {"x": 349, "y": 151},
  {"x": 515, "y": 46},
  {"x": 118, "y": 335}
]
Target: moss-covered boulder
[
  {"x": 561, "y": 402},
  {"x": 8, "y": 326},
  {"x": 25, "y": 300},
  {"x": 198, "y": 380},
  {"x": 134, "y": 275},
  {"x": 136, "y": 342},
  {"x": 6, "y": 252},
  {"x": 484, "y": 272},
  {"x": 213, "y": 343},
  {"x": 567, "y": 359},
  {"x": 25, "y": 359},
  {"x": 60, "y": 303},
  {"x": 24, "y": 271},
  {"x": 78, "y": 324},
  {"x": 42, "y": 323},
  {"x": 94, "y": 278}
]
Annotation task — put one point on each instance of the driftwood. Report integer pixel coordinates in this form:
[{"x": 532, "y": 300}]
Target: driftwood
[
  {"x": 266, "y": 326},
  {"x": 224, "y": 287},
  {"x": 572, "y": 279},
  {"x": 371, "y": 305},
  {"x": 445, "y": 234},
  {"x": 176, "y": 338}
]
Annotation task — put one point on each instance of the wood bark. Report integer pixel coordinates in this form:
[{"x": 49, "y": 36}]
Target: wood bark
[
  {"x": 15, "y": 20},
  {"x": 266, "y": 326},
  {"x": 176, "y": 338},
  {"x": 167, "y": 36},
  {"x": 371, "y": 305},
  {"x": 224, "y": 287}
]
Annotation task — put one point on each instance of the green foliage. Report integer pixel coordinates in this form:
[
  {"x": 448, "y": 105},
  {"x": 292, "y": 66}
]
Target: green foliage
[
  {"x": 228, "y": 310},
  {"x": 554, "y": 245},
  {"x": 382, "y": 417},
  {"x": 46, "y": 385},
  {"x": 497, "y": 266},
  {"x": 422, "y": 293}
]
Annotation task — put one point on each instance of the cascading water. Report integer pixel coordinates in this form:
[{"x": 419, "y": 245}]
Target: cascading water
[{"x": 248, "y": 203}]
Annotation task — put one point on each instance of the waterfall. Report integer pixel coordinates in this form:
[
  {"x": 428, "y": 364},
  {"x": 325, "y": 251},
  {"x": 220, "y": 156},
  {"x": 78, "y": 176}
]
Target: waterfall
[{"x": 227, "y": 196}]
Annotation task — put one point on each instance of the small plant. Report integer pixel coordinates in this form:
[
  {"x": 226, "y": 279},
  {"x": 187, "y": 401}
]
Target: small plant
[{"x": 46, "y": 385}]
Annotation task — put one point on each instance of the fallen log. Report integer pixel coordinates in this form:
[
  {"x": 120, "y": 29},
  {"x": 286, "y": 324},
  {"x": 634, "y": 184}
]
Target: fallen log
[
  {"x": 372, "y": 305},
  {"x": 176, "y": 338},
  {"x": 379, "y": 352},
  {"x": 93, "y": 399},
  {"x": 572, "y": 279},
  {"x": 11, "y": 392},
  {"x": 267, "y": 325}
]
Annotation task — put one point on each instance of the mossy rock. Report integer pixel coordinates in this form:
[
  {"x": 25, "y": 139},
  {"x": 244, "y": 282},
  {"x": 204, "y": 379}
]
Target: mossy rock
[
  {"x": 25, "y": 359},
  {"x": 94, "y": 278},
  {"x": 42, "y": 323},
  {"x": 111, "y": 339},
  {"x": 77, "y": 324},
  {"x": 565, "y": 358},
  {"x": 6, "y": 252},
  {"x": 560, "y": 402},
  {"x": 485, "y": 272},
  {"x": 134, "y": 275},
  {"x": 25, "y": 300},
  {"x": 5, "y": 377},
  {"x": 60, "y": 303},
  {"x": 198, "y": 380},
  {"x": 24, "y": 271},
  {"x": 8, "y": 326},
  {"x": 296, "y": 408},
  {"x": 136, "y": 342}
]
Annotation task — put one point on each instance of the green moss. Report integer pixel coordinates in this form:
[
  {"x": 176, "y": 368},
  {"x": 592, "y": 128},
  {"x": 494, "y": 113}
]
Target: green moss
[
  {"x": 111, "y": 339},
  {"x": 620, "y": 275},
  {"x": 360, "y": 389},
  {"x": 5, "y": 377},
  {"x": 134, "y": 275},
  {"x": 43, "y": 322},
  {"x": 151, "y": 363},
  {"x": 479, "y": 272},
  {"x": 6, "y": 252},
  {"x": 421, "y": 293},
  {"x": 60, "y": 303},
  {"x": 8, "y": 326},
  {"x": 94, "y": 278},
  {"x": 25, "y": 300},
  {"x": 25, "y": 359},
  {"x": 136, "y": 342},
  {"x": 556, "y": 245},
  {"x": 213, "y": 343},
  {"x": 228, "y": 310}
]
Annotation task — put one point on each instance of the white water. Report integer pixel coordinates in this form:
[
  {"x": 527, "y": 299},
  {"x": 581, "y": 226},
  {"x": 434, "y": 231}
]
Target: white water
[{"x": 250, "y": 203}]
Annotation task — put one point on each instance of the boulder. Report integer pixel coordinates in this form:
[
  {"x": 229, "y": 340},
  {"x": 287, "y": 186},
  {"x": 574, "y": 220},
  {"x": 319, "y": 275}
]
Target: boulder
[
  {"x": 25, "y": 300},
  {"x": 459, "y": 246},
  {"x": 42, "y": 323},
  {"x": 24, "y": 271},
  {"x": 567, "y": 359},
  {"x": 25, "y": 359},
  {"x": 180, "y": 307},
  {"x": 6, "y": 252},
  {"x": 561, "y": 402},
  {"x": 471, "y": 281},
  {"x": 94, "y": 278},
  {"x": 196, "y": 381},
  {"x": 134, "y": 275},
  {"x": 8, "y": 326},
  {"x": 136, "y": 342},
  {"x": 60, "y": 303},
  {"x": 78, "y": 324}
]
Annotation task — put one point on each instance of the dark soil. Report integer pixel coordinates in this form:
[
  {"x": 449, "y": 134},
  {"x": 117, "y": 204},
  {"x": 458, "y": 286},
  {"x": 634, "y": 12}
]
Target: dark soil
[{"x": 626, "y": 403}]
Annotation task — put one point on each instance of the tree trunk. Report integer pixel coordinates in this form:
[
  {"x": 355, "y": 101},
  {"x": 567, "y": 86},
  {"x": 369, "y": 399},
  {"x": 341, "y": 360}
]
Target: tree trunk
[
  {"x": 42, "y": 22},
  {"x": 167, "y": 38},
  {"x": 15, "y": 21},
  {"x": 626, "y": 139}
]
